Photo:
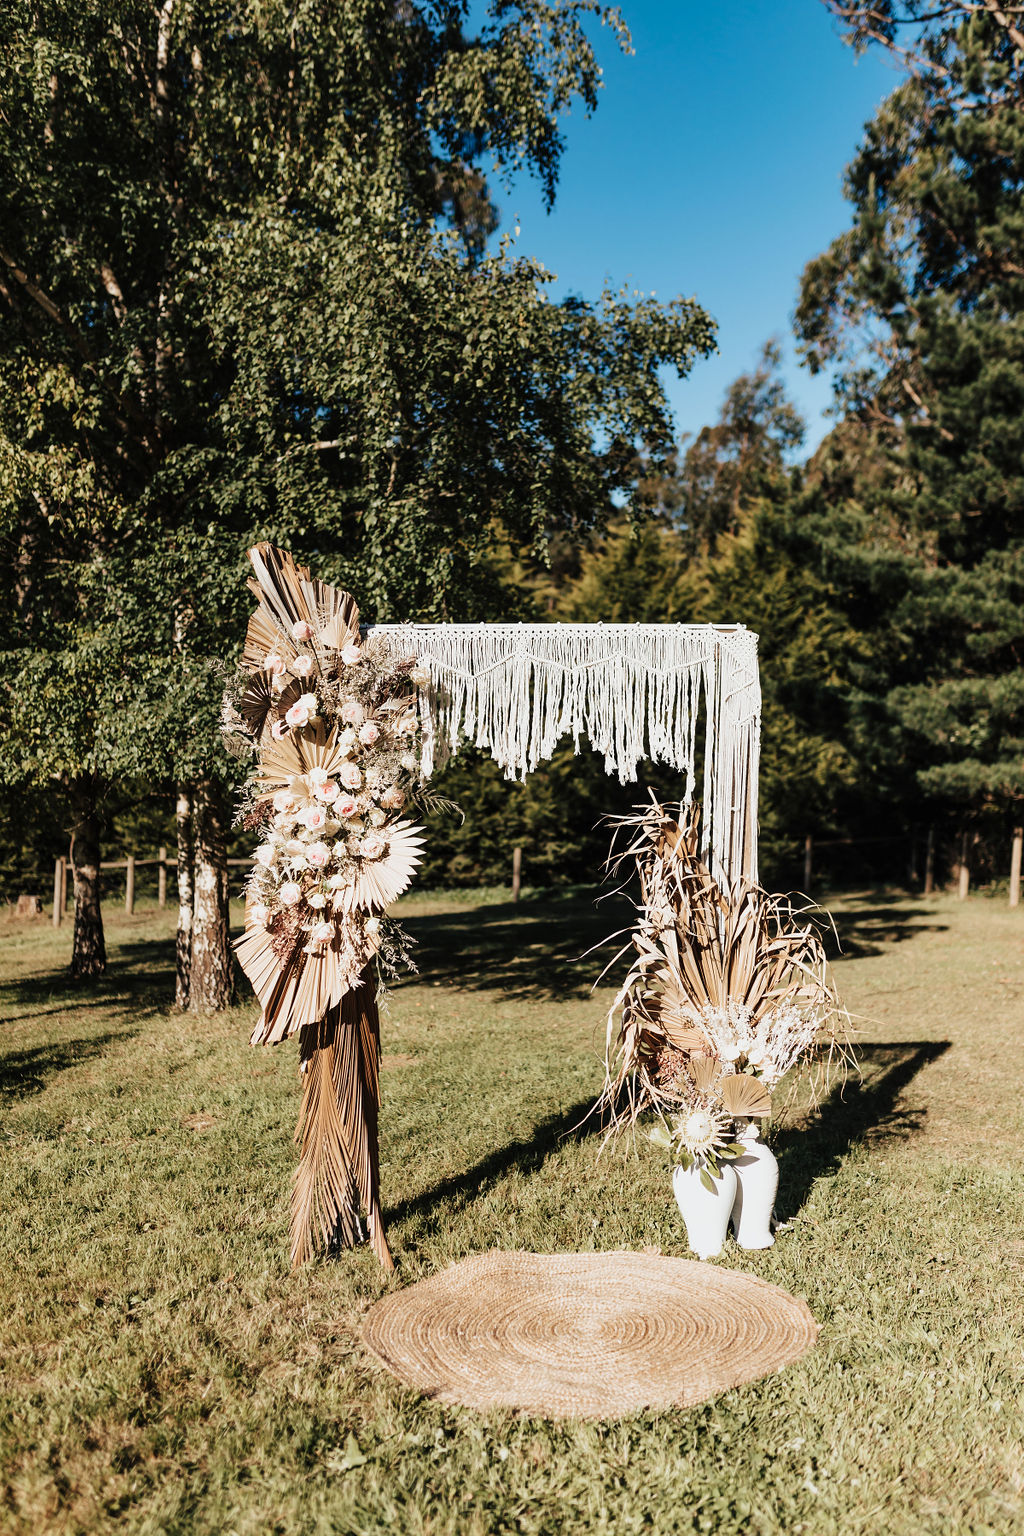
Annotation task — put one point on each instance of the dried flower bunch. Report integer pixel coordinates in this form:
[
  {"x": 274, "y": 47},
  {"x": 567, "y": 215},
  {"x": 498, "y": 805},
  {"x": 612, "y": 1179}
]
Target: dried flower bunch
[
  {"x": 727, "y": 992},
  {"x": 333, "y": 725}
]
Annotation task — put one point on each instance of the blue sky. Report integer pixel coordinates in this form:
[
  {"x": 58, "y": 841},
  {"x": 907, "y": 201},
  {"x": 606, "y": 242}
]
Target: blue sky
[{"x": 711, "y": 168}]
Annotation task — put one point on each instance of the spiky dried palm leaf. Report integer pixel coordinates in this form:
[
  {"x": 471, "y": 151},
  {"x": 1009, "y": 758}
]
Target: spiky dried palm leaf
[
  {"x": 337, "y": 1130},
  {"x": 381, "y": 881},
  {"x": 698, "y": 946}
]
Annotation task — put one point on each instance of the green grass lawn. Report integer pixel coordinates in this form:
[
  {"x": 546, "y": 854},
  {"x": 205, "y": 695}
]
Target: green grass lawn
[{"x": 163, "y": 1371}]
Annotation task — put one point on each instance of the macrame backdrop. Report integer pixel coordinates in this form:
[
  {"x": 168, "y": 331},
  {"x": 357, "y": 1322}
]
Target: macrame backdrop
[{"x": 634, "y": 691}]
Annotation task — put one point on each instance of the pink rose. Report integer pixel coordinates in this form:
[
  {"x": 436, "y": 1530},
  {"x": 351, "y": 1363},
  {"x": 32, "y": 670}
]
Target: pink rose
[
  {"x": 318, "y": 855},
  {"x": 279, "y": 730},
  {"x": 323, "y": 933},
  {"x": 302, "y": 631},
  {"x": 368, "y": 733},
  {"x": 352, "y": 712},
  {"x": 346, "y": 806},
  {"x": 372, "y": 846},
  {"x": 328, "y": 792},
  {"x": 351, "y": 654},
  {"x": 274, "y": 664},
  {"x": 302, "y": 666},
  {"x": 350, "y": 776},
  {"x": 314, "y": 817},
  {"x": 290, "y": 893},
  {"x": 298, "y": 715},
  {"x": 258, "y": 913}
]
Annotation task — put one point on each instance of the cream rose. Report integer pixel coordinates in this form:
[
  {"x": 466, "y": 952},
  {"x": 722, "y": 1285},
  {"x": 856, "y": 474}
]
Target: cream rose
[
  {"x": 298, "y": 715},
  {"x": 290, "y": 893},
  {"x": 323, "y": 933},
  {"x": 308, "y": 701},
  {"x": 346, "y": 806},
  {"x": 350, "y": 776},
  {"x": 302, "y": 666},
  {"x": 316, "y": 900},
  {"x": 372, "y": 846},
  {"x": 301, "y": 630},
  {"x": 352, "y": 712},
  {"x": 314, "y": 817},
  {"x": 317, "y": 776},
  {"x": 284, "y": 800},
  {"x": 318, "y": 855},
  {"x": 409, "y": 762},
  {"x": 328, "y": 791},
  {"x": 352, "y": 654},
  {"x": 420, "y": 675},
  {"x": 259, "y": 913},
  {"x": 274, "y": 663},
  {"x": 368, "y": 733},
  {"x": 265, "y": 854}
]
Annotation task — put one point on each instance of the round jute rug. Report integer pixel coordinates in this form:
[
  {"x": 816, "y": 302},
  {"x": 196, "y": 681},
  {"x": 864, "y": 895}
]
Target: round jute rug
[{"x": 589, "y": 1335}]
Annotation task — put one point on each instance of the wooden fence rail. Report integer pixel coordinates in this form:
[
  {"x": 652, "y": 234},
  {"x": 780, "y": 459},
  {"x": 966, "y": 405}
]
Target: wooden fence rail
[{"x": 61, "y": 884}]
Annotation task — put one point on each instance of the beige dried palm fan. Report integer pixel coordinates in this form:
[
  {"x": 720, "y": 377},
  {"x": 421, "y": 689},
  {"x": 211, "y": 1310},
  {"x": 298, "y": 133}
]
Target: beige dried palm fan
[{"x": 332, "y": 727}]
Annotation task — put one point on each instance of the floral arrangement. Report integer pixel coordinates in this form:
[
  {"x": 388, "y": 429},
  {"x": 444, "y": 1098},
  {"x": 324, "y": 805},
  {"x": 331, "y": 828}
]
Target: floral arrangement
[
  {"x": 332, "y": 721},
  {"x": 727, "y": 992}
]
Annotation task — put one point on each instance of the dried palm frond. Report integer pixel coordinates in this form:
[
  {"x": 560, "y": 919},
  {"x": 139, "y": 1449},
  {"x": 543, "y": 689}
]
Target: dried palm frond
[
  {"x": 702, "y": 951},
  {"x": 381, "y": 881},
  {"x": 744, "y": 1097},
  {"x": 337, "y": 1130}
]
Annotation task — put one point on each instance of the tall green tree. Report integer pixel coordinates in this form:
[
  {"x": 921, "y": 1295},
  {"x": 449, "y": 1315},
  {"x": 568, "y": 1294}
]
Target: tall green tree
[
  {"x": 246, "y": 292},
  {"x": 918, "y": 309}
]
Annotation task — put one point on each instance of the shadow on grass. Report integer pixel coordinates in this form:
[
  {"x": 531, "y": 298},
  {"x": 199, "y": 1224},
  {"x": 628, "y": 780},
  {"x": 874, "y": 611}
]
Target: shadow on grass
[
  {"x": 859, "y": 1111},
  {"x": 23, "y": 1073},
  {"x": 460, "y": 1189},
  {"x": 534, "y": 950},
  {"x": 867, "y": 926}
]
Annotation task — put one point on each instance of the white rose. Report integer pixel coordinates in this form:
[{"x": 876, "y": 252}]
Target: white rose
[
  {"x": 298, "y": 715},
  {"x": 290, "y": 893},
  {"x": 302, "y": 666},
  {"x": 323, "y": 933},
  {"x": 259, "y": 913},
  {"x": 265, "y": 854},
  {"x": 317, "y": 776},
  {"x": 308, "y": 701},
  {"x": 368, "y": 733},
  {"x": 316, "y": 901},
  {"x": 351, "y": 654}
]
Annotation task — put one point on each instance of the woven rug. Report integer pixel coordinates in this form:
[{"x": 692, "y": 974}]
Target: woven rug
[{"x": 589, "y": 1335}]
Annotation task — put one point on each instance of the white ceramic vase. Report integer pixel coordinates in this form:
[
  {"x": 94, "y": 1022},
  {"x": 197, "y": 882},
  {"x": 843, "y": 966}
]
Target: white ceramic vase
[
  {"x": 757, "y": 1183},
  {"x": 705, "y": 1212}
]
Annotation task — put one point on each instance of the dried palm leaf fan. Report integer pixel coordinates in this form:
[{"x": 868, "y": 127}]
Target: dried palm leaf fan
[
  {"x": 729, "y": 987},
  {"x": 332, "y": 726}
]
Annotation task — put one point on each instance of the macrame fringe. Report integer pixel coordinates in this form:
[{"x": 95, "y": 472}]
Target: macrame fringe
[{"x": 633, "y": 690}]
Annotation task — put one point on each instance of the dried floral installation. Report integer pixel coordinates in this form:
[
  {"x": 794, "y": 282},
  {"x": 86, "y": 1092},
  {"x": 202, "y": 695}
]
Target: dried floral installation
[
  {"x": 332, "y": 723},
  {"x": 344, "y": 727},
  {"x": 729, "y": 988}
]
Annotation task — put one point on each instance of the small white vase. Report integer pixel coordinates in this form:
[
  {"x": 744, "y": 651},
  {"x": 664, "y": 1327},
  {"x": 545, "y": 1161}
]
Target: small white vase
[
  {"x": 705, "y": 1212},
  {"x": 757, "y": 1183}
]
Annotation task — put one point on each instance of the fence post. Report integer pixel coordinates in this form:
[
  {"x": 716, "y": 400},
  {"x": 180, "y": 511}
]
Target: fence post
[
  {"x": 808, "y": 861},
  {"x": 517, "y": 870},
  {"x": 964, "y": 884},
  {"x": 58, "y": 893},
  {"x": 129, "y": 886},
  {"x": 161, "y": 890},
  {"x": 1018, "y": 842},
  {"x": 929, "y": 863}
]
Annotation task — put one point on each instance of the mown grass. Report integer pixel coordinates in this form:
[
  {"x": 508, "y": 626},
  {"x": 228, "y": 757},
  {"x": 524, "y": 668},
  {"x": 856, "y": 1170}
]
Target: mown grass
[{"x": 164, "y": 1372}]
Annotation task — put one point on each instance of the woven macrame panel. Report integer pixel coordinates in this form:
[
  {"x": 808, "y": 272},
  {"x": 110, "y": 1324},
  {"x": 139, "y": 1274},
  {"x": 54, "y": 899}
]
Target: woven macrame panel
[
  {"x": 634, "y": 691},
  {"x": 586, "y": 1335}
]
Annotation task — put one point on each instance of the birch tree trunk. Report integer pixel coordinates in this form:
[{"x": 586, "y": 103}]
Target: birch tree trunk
[
  {"x": 186, "y": 879},
  {"x": 212, "y": 976},
  {"x": 88, "y": 949}
]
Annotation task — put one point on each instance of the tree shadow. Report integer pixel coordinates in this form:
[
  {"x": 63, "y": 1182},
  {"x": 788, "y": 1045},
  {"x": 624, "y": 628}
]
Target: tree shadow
[
  {"x": 866, "y": 928},
  {"x": 526, "y": 1156},
  {"x": 854, "y": 1113},
  {"x": 530, "y": 951},
  {"x": 23, "y": 1073}
]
